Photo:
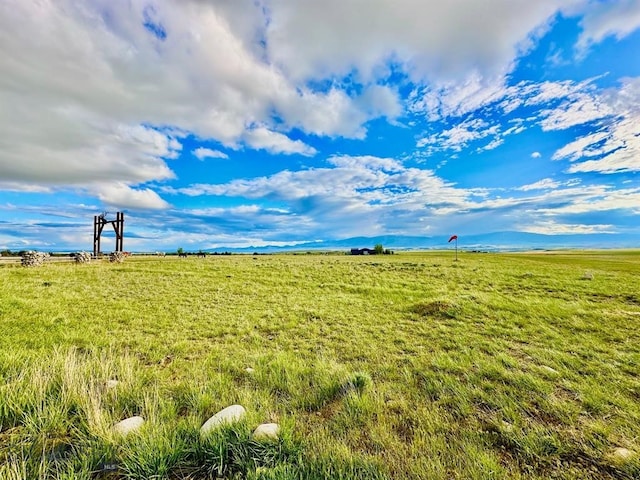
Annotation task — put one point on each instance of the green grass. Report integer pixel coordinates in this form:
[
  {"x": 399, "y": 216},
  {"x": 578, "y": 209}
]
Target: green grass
[{"x": 412, "y": 365}]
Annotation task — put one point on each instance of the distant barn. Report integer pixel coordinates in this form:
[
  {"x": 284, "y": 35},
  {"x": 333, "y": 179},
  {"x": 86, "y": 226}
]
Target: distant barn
[{"x": 363, "y": 251}]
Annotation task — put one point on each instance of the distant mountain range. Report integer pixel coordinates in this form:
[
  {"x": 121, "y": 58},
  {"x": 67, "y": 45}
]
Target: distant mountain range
[{"x": 498, "y": 241}]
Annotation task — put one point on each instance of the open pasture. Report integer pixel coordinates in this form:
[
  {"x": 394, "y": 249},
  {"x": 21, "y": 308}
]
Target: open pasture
[{"x": 412, "y": 365}]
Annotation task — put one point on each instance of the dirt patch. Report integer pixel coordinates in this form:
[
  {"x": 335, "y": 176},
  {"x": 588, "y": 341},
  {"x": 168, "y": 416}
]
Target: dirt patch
[{"x": 435, "y": 309}]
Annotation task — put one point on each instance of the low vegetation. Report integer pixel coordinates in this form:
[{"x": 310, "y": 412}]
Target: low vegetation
[{"x": 410, "y": 365}]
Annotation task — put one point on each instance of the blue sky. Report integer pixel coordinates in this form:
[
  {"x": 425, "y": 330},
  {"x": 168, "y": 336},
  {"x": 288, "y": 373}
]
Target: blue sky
[{"x": 270, "y": 122}]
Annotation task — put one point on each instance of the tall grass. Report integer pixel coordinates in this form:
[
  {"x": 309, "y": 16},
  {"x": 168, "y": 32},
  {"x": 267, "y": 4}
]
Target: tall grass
[{"x": 58, "y": 412}]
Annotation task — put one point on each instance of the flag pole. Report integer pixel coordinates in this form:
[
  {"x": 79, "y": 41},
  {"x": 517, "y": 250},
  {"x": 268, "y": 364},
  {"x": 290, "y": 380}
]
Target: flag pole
[{"x": 454, "y": 237}]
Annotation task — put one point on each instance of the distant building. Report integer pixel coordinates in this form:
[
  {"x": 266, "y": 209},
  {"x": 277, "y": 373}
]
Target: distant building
[{"x": 363, "y": 251}]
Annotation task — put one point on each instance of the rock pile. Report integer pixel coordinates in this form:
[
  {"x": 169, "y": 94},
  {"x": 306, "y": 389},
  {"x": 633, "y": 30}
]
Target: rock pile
[
  {"x": 83, "y": 257},
  {"x": 33, "y": 259},
  {"x": 116, "y": 257}
]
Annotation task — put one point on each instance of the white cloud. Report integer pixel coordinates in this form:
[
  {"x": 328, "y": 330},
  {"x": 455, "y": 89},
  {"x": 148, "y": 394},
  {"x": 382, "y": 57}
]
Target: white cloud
[
  {"x": 437, "y": 41},
  {"x": 621, "y": 150},
  {"x": 604, "y": 19},
  {"x": 544, "y": 184},
  {"x": 615, "y": 147},
  {"x": 24, "y": 187},
  {"x": 576, "y": 110},
  {"x": 380, "y": 101},
  {"x": 459, "y": 136},
  {"x": 611, "y": 146},
  {"x": 123, "y": 196},
  {"x": 551, "y": 227},
  {"x": 201, "y": 153},
  {"x": 366, "y": 162},
  {"x": 577, "y": 201},
  {"x": 588, "y": 145},
  {"x": 457, "y": 98},
  {"x": 493, "y": 144},
  {"x": 83, "y": 83},
  {"x": 355, "y": 195},
  {"x": 371, "y": 195},
  {"x": 261, "y": 138},
  {"x": 333, "y": 113}
]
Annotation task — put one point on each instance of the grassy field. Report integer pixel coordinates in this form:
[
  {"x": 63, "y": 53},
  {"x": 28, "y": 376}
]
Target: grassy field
[{"x": 522, "y": 366}]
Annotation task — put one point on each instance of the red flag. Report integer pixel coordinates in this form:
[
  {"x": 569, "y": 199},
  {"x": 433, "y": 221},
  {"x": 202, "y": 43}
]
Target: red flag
[{"x": 453, "y": 237}]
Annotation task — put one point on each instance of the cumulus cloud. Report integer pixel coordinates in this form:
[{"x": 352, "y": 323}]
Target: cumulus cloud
[
  {"x": 84, "y": 84},
  {"x": 365, "y": 180},
  {"x": 262, "y": 138},
  {"x": 88, "y": 89},
  {"x": 356, "y": 195},
  {"x": 438, "y": 41},
  {"x": 604, "y": 19},
  {"x": 150, "y": 63},
  {"x": 122, "y": 196},
  {"x": 367, "y": 195},
  {"x": 201, "y": 153}
]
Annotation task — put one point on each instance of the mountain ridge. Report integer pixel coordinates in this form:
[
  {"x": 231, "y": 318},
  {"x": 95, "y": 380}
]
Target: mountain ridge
[{"x": 494, "y": 241}]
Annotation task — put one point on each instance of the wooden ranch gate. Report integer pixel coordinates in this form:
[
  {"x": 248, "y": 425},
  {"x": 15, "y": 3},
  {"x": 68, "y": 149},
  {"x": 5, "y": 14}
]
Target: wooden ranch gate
[{"x": 99, "y": 221}]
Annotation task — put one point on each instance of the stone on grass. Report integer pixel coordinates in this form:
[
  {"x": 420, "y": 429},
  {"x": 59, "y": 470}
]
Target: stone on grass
[
  {"x": 266, "y": 431},
  {"x": 548, "y": 369},
  {"x": 506, "y": 426},
  {"x": 128, "y": 425},
  {"x": 249, "y": 370},
  {"x": 622, "y": 454},
  {"x": 228, "y": 415},
  {"x": 111, "y": 384}
]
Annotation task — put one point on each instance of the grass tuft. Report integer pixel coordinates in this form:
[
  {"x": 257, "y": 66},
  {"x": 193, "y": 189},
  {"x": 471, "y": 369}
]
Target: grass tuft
[{"x": 437, "y": 309}]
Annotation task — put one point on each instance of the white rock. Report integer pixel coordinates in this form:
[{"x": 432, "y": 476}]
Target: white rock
[
  {"x": 112, "y": 384},
  {"x": 128, "y": 425},
  {"x": 266, "y": 431},
  {"x": 587, "y": 276},
  {"x": 506, "y": 426},
  {"x": 249, "y": 370},
  {"x": 621, "y": 453},
  {"x": 228, "y": 415},
  {"x": 549, "y": 369}
]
